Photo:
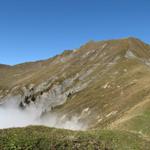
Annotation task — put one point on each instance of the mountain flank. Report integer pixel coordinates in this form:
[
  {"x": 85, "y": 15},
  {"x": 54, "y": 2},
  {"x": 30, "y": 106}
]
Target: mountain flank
[{"x": 103, "y": 85}]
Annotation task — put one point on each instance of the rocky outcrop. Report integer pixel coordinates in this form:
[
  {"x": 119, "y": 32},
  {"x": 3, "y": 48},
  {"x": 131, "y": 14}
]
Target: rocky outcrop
[{"x": 96, "y": 83}]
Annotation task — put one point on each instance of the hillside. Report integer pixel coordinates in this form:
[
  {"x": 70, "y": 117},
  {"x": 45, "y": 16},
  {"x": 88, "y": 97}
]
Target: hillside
[
  {"x": 43, "y": 138},
  {"x": 102, "y": 85}
]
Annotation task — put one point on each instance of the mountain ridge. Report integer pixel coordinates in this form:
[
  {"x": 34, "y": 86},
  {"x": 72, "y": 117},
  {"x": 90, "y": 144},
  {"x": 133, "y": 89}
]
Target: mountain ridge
[
  {"x": 96, "y": 85},
  {"x": 91, "y": 41},
  {"x": 101, "y": 88}
]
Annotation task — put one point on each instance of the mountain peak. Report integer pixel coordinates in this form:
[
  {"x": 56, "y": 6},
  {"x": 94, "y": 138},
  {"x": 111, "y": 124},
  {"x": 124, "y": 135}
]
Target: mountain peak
[{"x": 99, "y": 85}]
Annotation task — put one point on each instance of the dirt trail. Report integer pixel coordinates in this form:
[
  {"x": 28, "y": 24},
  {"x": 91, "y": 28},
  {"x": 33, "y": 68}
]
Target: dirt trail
[{"x": 134, "y": 111}]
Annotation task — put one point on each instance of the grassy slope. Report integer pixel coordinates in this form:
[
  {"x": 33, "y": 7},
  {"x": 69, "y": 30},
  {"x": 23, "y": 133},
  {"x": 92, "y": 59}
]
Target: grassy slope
[
  {"x": 43, "y": 138},
  {"x": 137, "y": 119},
  {"x": 125, "y": 95}
]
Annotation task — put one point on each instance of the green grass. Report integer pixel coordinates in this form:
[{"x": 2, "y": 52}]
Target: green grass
[
  {"x": 44, "y": 138},
  {"x": 140, "y": 123}
]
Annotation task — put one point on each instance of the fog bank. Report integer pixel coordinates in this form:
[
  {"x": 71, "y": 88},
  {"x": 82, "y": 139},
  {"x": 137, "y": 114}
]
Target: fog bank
[{"x": 13, "y": 116}]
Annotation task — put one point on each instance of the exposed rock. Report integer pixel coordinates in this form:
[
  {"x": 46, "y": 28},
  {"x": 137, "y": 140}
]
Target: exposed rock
[{"x": 103, "y": 79}]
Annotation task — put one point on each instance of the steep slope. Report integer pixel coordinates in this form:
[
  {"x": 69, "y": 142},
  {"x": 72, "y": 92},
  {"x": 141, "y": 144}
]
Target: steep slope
[{"x": 100, "y": 84}]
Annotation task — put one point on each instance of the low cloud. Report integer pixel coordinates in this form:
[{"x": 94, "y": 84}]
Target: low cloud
[{"x": 13, "y": 116}]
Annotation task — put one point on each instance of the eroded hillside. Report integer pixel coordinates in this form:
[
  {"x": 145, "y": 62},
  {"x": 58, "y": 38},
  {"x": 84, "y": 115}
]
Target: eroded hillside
[{"x": 102, "y": 84}]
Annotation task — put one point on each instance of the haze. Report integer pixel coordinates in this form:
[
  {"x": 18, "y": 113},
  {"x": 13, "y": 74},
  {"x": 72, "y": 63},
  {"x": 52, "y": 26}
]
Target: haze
[{"x": 13, "y": 116}]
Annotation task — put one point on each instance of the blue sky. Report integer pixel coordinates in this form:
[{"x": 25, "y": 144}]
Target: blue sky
[{"x": 38, "y": 29}]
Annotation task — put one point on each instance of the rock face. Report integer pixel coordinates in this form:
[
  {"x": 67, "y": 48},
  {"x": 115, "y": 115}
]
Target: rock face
[{"x": 99, "y": 83}]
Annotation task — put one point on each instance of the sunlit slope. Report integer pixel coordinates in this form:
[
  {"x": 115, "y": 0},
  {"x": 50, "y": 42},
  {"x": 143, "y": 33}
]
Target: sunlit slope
[
  {"x": 69, "y": 63},
  {"x": 49, "y": 138},
  {"x": 136, "y": 120},
  {"x": 106, "y": 84}
]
